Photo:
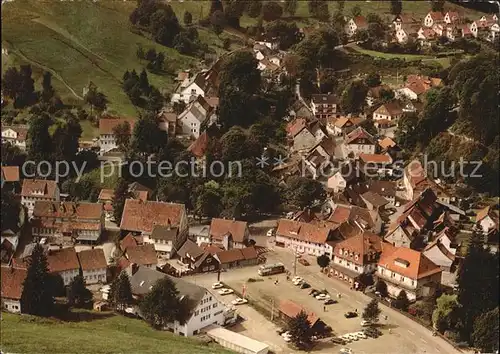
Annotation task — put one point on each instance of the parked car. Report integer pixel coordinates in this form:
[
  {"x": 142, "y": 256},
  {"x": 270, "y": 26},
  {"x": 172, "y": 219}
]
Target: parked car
[
  {"x": 304, "y": 262},
  {"x": 338, "y": 340},
  {"x": 239, "y": 301},
  {"x": 287, "y": 336},
  {"x": 217, "y": 285},
  {"x": 226, "y": 291},
  {"x": 361, "y": 335},
  {"x": 346, "y": 338},
  {"x": 313, "y": 292},
  {"x": 350, "y": 314},
  {"x": 271, "y": 232},
  {"x": 330, "y": 302},
  {"x": 372, "y": 332},
  {"x": 353, "y": 336},
  {"x": 365, "y": 323},
  {"x": 345, "y": 351},
  {"x": 322, "y": 297},
  {"x": 305, "y": 285}
]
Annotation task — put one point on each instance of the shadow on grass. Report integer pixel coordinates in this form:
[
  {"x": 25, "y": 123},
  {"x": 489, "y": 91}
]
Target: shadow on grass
[{"x": 62, "y": 313}]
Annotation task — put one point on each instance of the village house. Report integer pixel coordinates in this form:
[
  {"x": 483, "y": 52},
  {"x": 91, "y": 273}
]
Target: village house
[
  {"x": 388, "y": 111},
  {"x": 8, "y": 245},
  {"x": 68, "y": 221},
  {"x": 107, "y": 139},
  {"x": 199, "y": 147},
  {"x": 487, "y": 220},
  {"x": 229, "y": 233},
  {"x": 359, "y": 141},
  {"x": 204, "y": 308},
  {"x": 105, "y": 197},
  {"x": 300, "y": 136},
  {"x": 417, "y": 85},
  {"x": 162, "y": 224},
  {"x": 374, "y": 165},
  {"x": 10, "y": 178},
  {"x": 340, "y": 126},
  {"x": 237, "y": 257},
  {"x": 168, "y": 122},
  {"x": 432, "y": 18},
  {"x": 415, "y": 181},
  {"x": 93, "y": 265},
  {"x": 410, "y": 228},
  {"x": 289, "y": 310},
  {"x": 355, "y": 256},
  {"x": 324, "y": 105},
  {"x": 451, "y": 17},
  {"x": 355, "y": 24},
  {"x": 12, "y": 287},
  {"x": 196, "y": 258},
  {"x": 405, "y": 32},
  {"x": 408, "y": 270},
  {"x": 346, "y": 175},
  {"x": 374, "y": 201},
  {"x": 303, "y": 237},
  {"x": 404, "y": 19},
  {"x": 426, "y": 36},
  {"x": 16, "y": 135},
  {"x": 196, "y": 114},
  {"x": 319, "y": 159},
  {"x": 142, "y": 255},
  {"x": 64, "y": 262},
  {"x": 190, "y": 88},
  {"x": 441, "y": 251},
  {"x": 469, "y": 30},
  {"x": 34, "y": 190}
]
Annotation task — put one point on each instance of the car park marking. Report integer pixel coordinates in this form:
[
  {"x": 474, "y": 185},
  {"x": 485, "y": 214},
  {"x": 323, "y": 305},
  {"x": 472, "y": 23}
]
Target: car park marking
[
  {"x": 411, "y": 332},
  {"x": 423, "y": 340}
]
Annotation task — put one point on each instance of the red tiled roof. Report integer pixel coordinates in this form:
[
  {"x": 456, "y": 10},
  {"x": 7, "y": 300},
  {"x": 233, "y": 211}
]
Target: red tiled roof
[
  {"x": 78, "y": 210},
  {"x": 47, "y": 187},
  {"x": 436, "y": 15},
  {"x": 10, "y": 173},
  {"x": 142, "y": 216},
  {"x": 360, "y": 245},
  {"x": 390, "y": 108},
  {"x": 302, "y": 231},
  {"x": 142, "y": 255},
  {"x": 92, "y": 259},
  {"x": 249, "y": 253},
  {"x": 418, "y": 265},
  {"x": 221, "y": 227},
  {"x": 106, "y": 194},
  {"x": 230, "y": 256},
  {"x": 291, "y": 309},
  {"x": 106, "y": 125},
  {"x": 360, "y": 21},
  {"x": 375, "y": 158},
  {"x": 296, "y": 126},
  {"x": 128, "y": 241},
  {"x": 61, "y": 260},
  {"x": 200, "y": 145},
  {"x": 340, "y": 215},
  {"x": 212, "y": 249},
  {"x": 386, "y": 143},
  {"x": 359, "y": 133},
  {"x": 12, "y": 282}
]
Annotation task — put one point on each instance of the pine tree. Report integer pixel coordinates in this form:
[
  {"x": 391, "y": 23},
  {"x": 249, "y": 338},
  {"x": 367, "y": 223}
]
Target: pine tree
[
  {"x": 300, "y": 331},
  {"x": 120, "y": 294},
  {"x": 37, "y": 298},
  {"x": 396, "y": 7},
  {"x": 47, "y": 89},
  {"x": 78, "y": 294},
  {"x": 121, "y": 194},
  {"x": 144, "y": 82},
  {"x": 371, "y": 311}
]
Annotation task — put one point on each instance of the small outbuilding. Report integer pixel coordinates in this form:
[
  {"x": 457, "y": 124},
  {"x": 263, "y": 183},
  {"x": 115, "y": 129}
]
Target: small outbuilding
[{"x": 235, "y": 341}]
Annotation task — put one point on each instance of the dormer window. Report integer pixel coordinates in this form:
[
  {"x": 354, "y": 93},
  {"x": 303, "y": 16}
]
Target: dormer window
[{"x": 401, "y": 263}]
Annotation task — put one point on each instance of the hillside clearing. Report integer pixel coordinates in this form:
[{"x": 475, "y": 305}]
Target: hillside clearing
[{"x": 105, "y": 333}]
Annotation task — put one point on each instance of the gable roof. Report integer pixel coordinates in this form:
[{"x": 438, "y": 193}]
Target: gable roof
[
  {"x": 92, "y": 259},
  {"x": 142, "y": 255},
  {"x": 106, "y": 125},
  {"x": 488, "y": 211},
  {"x": 391, "y": 108},
  {"x": 21, "y": 130},
  {"x": 436, "y": 15},
  {"x": 360, "y": 245},
  {"x": 229, "y": 256},
  {"x": 421, "y": 84},
  {"x": 143, "y": 280},
  {"x": 78, "y": 210},
  {"x": 340, "y": 214},
  {"x": 167, "y": 232},
  {"x": 10, "y": 173},
  {"x": 47, "y": 187},
  {"x": 375, "y": 158},
  {"x": 374, "y": 199},
  {"x": 302, "y": 231},
  {"x": 190, "y": 248},
  {"x": 359, "y": 133},
  {"x": 411, "y": 263},
  {"x": 221, "y": 227},
  {"x": 128, "y": 241},
  {"x": 142, "y": 216},
  {"x": 291, "y": 309},
  {"x": 360, "y": 21},
  {"x": 12, "y": 282},
  {"x": 386, "y": 143},
  {"x": 63, "y": 259},
  {"x": 200, "y": 145},
  {"x": 324, "y": 98},
  {"x": 295, "y": 127}
]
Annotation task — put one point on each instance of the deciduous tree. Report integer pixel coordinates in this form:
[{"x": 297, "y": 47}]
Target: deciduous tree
[
  {"x": 354, "y": 97},
  {"x": 371, "y": 311},
  {"x": 485, "y": 335},
  {"x": 188, "y": 18},
  {"x": 291, "y": 7},
  {"x": 396, "y": 7},
  {"x": 402, "y": 301},
  {"x": 122, "y": 133},
  {"x": 381, "y": 287},
  {"x": 271, "y": 11},
  {"x": 254, "y": 9},
  {"x": 120, "y": 194},
  {"x": 78, "y": 294},
  {"x": 300, "y": 331},
  {"x": 323, "y": 261}
]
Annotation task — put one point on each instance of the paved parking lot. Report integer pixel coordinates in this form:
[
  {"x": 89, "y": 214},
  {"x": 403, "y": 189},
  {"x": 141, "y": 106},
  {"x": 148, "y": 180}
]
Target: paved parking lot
[{"x": 406, "y": 336}]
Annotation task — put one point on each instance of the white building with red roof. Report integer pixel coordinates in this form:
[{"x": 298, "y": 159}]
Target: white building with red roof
[
  {"x": 65, "y": 263},
  {"x": 355, "y": 24},
  {"x": 303, "y": 237},
  {"x": 34, "y": 190},
  {"x": 107, "y": 138},
  {"x": 408, "y": 270},
  {"x": 12, "y": 287},
  {"x": 229, "y": 233},
  {"x": 94, "y": 266},
  {"x": 162, "y": 224},
  {"x": 432, "y": 18},
  {"x": 359, "y": 141}
]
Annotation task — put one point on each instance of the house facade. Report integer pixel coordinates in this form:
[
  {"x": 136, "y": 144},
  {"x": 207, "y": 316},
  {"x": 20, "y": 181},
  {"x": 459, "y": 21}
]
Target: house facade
[
  {"x": 189, "y": 89},
  {"x": 433, "y": 18},
  {"x": 360, "y": 141},
  {"x": 12, "y": 287},
  {"x": 408, "y": 270},
  {"x": 196, "y": 114},
  {"x": 16, "y": 135},
  {"x": 107, "y": 138},
  {"x": 35, "y": 190},
  {"x": 93, "y": 265},
  {"x": 68, "y": 221},
  {"x": 65, "y": 263},
  {"x": 229, "y": 233},
  {"x": 355, "y": 24},
  {"x": 162, "y": 224},
  {"x": 303, "y": 237},
  {"x": 324, "y": 105}
]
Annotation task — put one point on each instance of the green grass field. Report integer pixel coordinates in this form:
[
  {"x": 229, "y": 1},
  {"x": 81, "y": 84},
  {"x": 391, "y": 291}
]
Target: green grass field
[
  {"x": 85, "y": 41},
  {"x": 103, "y": 334}
]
